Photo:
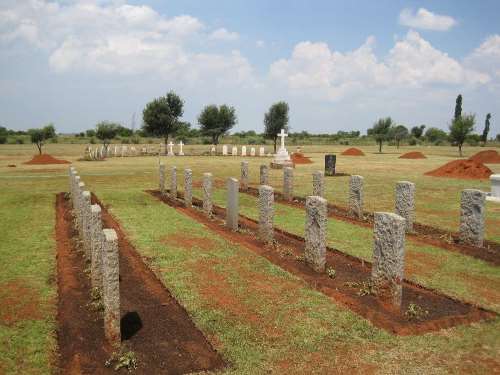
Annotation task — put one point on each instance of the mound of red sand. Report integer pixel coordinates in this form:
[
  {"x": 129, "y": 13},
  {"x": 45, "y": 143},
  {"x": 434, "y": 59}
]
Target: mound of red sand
[
  {"x": 465, "y": 169},
  {"x": 487, "y": 156},
  {"x": 413, "y": 155},
  {"x": 353, "y": 151},
  {"x": 299, "y": 158},
  {"x": 46, "y": 159}
]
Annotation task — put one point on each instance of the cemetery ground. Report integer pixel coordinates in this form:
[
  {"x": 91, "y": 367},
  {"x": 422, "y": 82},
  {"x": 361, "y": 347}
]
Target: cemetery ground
[{"x": 259, "y": 317}]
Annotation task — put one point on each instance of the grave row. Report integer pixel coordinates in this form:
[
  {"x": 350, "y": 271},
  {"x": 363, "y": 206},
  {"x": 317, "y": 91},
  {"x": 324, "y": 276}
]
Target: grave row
[
  {"x": 389, "y": 228},
  {"x": 100, "y": 246}
]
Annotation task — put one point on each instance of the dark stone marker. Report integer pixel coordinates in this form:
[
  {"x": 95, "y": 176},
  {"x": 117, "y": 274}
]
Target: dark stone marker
[{"x": 330, "y": 161}]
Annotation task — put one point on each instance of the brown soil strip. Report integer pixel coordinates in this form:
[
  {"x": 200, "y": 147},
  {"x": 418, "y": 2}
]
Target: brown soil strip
[
  {"x": 46, "y": 159},
  {"x": 154, "y": 326},
  {"x": 347, "y": 286},
  {"x": 424, "y": 234}
]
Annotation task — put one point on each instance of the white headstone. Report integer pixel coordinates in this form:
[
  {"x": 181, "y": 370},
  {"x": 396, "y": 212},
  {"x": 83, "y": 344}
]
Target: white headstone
[
  {"x": 252, "y": 151},
  {"x": 282, "y": 158},
  {"x": 181, "y": 153},
  {"x": 124, "y": 150},
  {"x": 224, "y": 150},
  {"x": 170, "y": 149},
  {"x": 116, "y": 150},
  {"x": 244, "y": 151},
  {"x": 212, "y": 150},
  {"x": 494, "y": 196},
  {"x": 262, "y": 152},
  {"x": 234, "y": 151}
]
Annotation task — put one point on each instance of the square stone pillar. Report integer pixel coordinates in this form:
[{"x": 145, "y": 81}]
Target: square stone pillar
[
  {"x": 330, "y": 163},
  {"x": 266, "y": 213},
  {"x": 162, "y": 179},
  {"x": 244, "y": 175},
  {"x": 86, "y": 228},
  {"x": 318, "y": 184},
  {"x": 315, "y": 233},
  {"x": 79, "y": 208},
  {"x": 207, "y": 193},
  {"x": 111, "y": 288},
  {"x": 264, "y": 175},
  {"x": 388, "y": 257},
  {"x": 96, "y": 246},
  {"x": 232, "y": 209},
  {"x": 356, "y": 196},
  {"x": 173, "y": 183},
  {"x": 405, "y": 203},
  {"x": 188, "y": 188},
  {"x": 472, "y": 212},
  {"x": 288, "y": 183}
]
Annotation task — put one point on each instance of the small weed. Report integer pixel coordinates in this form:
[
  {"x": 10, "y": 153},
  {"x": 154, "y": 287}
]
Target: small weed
[
  {"x": 121, "y": 360},
  {"x": 365, "y": 288},
  {"x": 415, "y": 312},
  {"x": 300, "y": 258},
  {"x": 331, "y": 273}
]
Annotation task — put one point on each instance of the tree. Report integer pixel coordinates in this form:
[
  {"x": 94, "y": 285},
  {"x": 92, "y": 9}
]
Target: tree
[
  {"x": 3, "y": 135},
  {"x": 435, "y": 135},
  {"x": 486, "y": 129},
  {"x": 460, "y": 128},
  {"x": 40, "y": 135},
  {"x": 162, "y": 114},
  {"x": 381, "y": 131},
  {"x": 398, "y": 133},
  {"x": 216, "y": 121},
  {"x": 417, "y": 131},
  {"x": 458, "y": 107},
  {"x": 276, "y": 119},
  {"x": 90, "y": 133},
  {"x": 106, "y": 131}
]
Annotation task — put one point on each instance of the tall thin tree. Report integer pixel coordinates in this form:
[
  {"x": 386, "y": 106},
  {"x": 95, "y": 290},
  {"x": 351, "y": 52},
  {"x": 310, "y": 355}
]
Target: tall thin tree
[
  {"x": 458, "y": 107},
  {"x": 486, "y": 130}
]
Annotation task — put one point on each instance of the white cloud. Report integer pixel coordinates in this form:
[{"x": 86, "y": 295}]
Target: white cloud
[
  {"x": 260, "y": 43},
  {"x": 486, "y": 57},
  {"x": 425, "y": 19},
  {"x": 223, "y": 34}
]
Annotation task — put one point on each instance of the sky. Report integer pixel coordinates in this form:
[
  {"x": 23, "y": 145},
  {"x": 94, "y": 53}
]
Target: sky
[{"x": 340, "y": 65}]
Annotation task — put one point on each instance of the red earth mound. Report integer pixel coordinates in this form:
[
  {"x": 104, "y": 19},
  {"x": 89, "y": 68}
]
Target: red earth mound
[
  {"x": 299, "y": 158},
  {"x": 46, "y": 159},
  {"x": 487, "y": 156},
  {"x": 353, "y": 151},
  {"x": 465, "y": 169},
  {"x": 413, "y": 155}
]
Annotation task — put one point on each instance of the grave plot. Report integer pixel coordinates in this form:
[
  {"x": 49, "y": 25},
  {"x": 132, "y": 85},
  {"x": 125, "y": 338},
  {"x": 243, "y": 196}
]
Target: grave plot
[
  {"x": 142, "y": 325},
  {"x": 345, "y": 278}
]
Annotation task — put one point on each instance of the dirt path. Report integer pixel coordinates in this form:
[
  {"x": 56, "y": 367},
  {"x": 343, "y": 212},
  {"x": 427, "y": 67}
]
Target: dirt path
[
  {"x": 349, "y": 285},
  {"x": 154, "y": 326}
]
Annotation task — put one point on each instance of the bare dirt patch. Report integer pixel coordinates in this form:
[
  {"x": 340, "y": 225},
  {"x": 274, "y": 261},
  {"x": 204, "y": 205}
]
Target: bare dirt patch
[
  {"x": 413, "y": 155},
  {"x": 349, "y": 286},
  {"x": 300, "y": 158},
  {"x": 217, "y": 183},
  {"x": 46, "y": 159},
  {"x": 154, "y": 326},
  {"x": 353, "y": 151},
  {"x": 18, "y": 302},
  {"x": 463, "y": 169}
]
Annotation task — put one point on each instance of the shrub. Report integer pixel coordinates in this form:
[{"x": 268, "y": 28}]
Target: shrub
[
  {"x": 19, "y": 141},
  {"x": 125, "y": 141},
  {"x": 412, "y": 141},
  {"x": 3, "y": 139},
  {"x": 136, "y": 140},
  {"x": 92, "y": 141}
]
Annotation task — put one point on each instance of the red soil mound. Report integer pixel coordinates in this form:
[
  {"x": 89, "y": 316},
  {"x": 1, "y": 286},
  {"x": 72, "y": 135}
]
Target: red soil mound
[
  {"x": 413, "y": 155},
  {"x": 46, "y": 159},
  {"x": 487, "y": 156},
  {"x": 299, "y": 158},
  {"x": 466, "y": 169},
  {"x": 353, "y": 151}
]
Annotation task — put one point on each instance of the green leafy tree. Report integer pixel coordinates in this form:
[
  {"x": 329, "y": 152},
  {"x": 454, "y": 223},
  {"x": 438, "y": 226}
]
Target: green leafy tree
[
  {"x": 435, "y": 135},
  {"x": 90, "y": 133},
  {"x": 106, "y": 131},
  {"x": 216, "y": 121},
  {"x": 398, "y": 133},
  {"x": 417, "y": 131},
  {"x": 460, "y": 128},
  {"x": 486, "y": 130},
  {"x": 161, "y": 116},
  {"x": 276, "y": 119},
  {"x": 458, "y": 107},
  {"x": 3, "y": 135},
  {"x": 39, "y": 136},
  {"x": 381, "y": 131}
]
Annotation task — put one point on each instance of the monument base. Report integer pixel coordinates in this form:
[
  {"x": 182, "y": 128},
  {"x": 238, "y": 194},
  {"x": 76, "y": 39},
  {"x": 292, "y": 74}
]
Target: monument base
[{"x": 282, "y": 164}]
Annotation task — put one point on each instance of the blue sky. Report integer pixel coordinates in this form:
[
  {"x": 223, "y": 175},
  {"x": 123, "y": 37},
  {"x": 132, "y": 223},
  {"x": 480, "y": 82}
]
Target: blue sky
[{"x": 340, "y": 65}]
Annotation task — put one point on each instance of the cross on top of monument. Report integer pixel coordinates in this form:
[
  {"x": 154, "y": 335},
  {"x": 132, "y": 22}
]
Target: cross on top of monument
[
  {"x": 282, "y": 135},
  {"x": 170, "y": 144},
  {"x": 180, "y": 143}
]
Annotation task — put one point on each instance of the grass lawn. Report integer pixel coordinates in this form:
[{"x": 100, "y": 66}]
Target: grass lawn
[{"x": 261, "y": 318}]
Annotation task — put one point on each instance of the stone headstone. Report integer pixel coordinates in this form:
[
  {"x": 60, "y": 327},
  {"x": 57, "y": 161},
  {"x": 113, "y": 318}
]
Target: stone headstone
[
  {"x": 264, "y": 175},
  {"x": 213, "y": 151},
  {"x": 266, "y": 213},
  {"x": 315, "y": 233},
  {"x": 86, "y": 228},
  {"x": 207, "y": 193},
  {"x": 262, "y": 151},
  {"x": 330, "y": 163},
  {"x": 181, "y": 152},
  {"x": 96, "y": 247},
  {"x": 282, "y": 158},
  {"x": 224, "y": 150},
  {"x": 252, "y": 151},
  {"x": 244, "y": 175},
  {"x": 111, "y": 288},
  {"x": 162, "y": 179},
  {"x": 318, "y": 184},
  {"x": 472, "y": 212},
  {"x": 170, "y": 149},
  {"x": 243, "y": 150},
  {"x": 388, "y": 257},
  {"x": 356, "y": 196},
  {"x": 288, "y": 183},
  {"x": 405, "y": 202},
  {"x": 234, "y": 151},
  {"x": 173, "y": 183},
  {"x": 188, "y": 188},
  {"x": 232, "y": 210}
]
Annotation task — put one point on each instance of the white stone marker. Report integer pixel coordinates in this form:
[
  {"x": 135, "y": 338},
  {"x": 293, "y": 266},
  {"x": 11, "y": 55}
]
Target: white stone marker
[
  {"x": 266, "y": 213},
  {"x": 288, "y": 183},
  {"x": 162, "y": 179},
  {"x": 262, "y": 151},
  {"x": 170, "y": 149},
  {"x": 188, "y": 188},
  {"x": 244, "y": 175},
  {"x": 315, "y": 233},
  {"x": 318, "y": 183},
  {"x": 96, "y": 247},
  {"x": 111, "y": 288},
  {"x": 405, "y": 202},
  {"x": 356, "y": 196},
  {"x": 252, "y": 151},
  {"x": 81, "y": 189},
  {"x": 232, "y": 210},
  {"x": 173, "y": 183},
  {"x": 213, "y": 151},
  {"x": 224, "y": 150},
  {"x": 243, "y": 150},
  {"x": 264, "y": 175},
  {"x": 494, "y": 196},
  {"x": 207, "y": 193},
  {"x": 388, "y": 256},
  {"x": 282, "y": 158},
  {"x": 181, "y": 152},
  {"x": 234, "y": 151},
  {"x": 472, "y": 211}
]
